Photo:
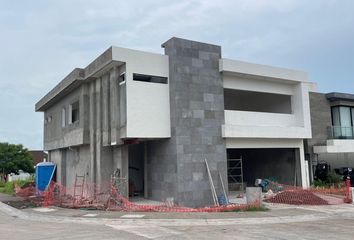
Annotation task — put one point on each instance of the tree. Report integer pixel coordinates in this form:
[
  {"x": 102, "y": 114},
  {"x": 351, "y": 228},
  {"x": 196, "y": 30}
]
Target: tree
[{"x": 14, "y": 157}]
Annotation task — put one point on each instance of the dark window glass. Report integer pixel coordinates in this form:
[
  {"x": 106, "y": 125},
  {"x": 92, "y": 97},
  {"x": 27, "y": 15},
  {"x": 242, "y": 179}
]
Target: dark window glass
[
  {"x": 149, "y": 78},
  {"x": 75, "y": 112},
  {"x": 121, "y": 78}
]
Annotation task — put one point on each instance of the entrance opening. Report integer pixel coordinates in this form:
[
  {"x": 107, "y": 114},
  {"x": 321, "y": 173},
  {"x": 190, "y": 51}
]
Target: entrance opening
[
  {"x": 281, "y": 165},
  {"x": 136, "y": 170}
]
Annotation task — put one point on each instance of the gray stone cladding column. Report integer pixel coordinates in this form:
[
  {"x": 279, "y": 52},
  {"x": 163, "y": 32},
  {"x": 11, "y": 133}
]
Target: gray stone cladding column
[{"x": 197, "y": 114}]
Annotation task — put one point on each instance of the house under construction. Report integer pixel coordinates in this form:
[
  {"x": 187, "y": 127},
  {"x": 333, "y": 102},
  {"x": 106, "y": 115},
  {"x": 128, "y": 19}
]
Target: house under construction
[{"x": 153, "y": 119}]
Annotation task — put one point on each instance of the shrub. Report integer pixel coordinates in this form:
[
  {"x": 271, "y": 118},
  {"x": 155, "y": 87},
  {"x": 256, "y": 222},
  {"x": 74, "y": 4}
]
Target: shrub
[
  {"x": 332, "y": 179},
  {"x": 319, "y": 183}
]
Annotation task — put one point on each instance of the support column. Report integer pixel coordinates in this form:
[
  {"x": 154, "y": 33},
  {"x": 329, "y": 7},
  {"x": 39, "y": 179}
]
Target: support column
[
  {"x": 92, "y": 127},
  {"x": 300, "y": 157},
  {"x": 304, "y": 169},
  {"x": 145, "y": 171}
]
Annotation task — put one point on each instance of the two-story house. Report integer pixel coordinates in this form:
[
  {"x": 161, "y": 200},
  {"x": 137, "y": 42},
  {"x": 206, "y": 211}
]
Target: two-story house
[
  {"x": 332, "y": 118},
  {"x": 157, "y": 117}
]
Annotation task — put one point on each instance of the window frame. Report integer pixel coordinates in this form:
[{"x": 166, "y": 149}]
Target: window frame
[
  {"x": 71, "y": 112},
  {"x": 351, "y": 108},
  {"x": 139, "y": 77},
  {"x": 63, "y": 117},
  {"x": 122, "y": 78}
]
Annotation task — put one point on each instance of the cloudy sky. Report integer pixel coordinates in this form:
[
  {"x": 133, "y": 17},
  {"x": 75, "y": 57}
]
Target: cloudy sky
[{"x": 42, "y": 41}]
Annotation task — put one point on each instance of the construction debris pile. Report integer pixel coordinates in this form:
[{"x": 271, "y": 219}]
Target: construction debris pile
[{"x": 286, "y": 194}]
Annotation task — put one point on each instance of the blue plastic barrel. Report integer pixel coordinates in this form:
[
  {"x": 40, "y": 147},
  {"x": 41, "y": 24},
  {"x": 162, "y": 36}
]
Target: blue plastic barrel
[{"x": 44, "y": 173}]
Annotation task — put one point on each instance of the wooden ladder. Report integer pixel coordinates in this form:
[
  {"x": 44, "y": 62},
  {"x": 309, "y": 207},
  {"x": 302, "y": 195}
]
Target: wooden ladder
[{"x": 79, "y": 187}]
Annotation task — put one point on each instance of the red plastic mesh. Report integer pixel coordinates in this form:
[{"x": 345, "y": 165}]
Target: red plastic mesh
[{"x": 106, "y": 197}]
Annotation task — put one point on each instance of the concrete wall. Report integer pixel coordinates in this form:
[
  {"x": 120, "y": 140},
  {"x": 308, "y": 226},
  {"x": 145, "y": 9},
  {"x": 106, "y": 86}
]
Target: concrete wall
[
  {"x": 56, "y": 136},
  {"x": 196, "y": 106},
  {"x": 77, "y": 161},
  {"x": 320, "y": 120},
  {"x": 55, "y": 156},
  {"x": 96, "y": 159}
]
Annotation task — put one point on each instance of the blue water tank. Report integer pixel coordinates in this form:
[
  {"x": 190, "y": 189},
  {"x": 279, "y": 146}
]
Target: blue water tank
[{"x": 44, "y": 173}]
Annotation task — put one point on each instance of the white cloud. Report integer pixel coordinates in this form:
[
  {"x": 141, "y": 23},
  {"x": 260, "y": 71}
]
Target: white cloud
[{"x": 42, "y": 41}]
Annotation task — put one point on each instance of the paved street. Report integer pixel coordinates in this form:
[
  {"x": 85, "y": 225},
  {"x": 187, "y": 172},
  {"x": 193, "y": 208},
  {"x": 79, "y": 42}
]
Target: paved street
[{"x": 301, "y": 223}]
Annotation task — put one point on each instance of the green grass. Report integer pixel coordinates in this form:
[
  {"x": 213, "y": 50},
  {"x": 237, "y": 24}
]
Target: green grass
[
  {"x": 260, "y": 208},
  {"x": 9, "y": 187}
]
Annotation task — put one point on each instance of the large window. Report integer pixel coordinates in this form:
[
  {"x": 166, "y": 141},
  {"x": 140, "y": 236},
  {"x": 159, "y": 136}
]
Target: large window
[
  {"x": 240, "y": 100},
  {"x": 342, "y": 121}
]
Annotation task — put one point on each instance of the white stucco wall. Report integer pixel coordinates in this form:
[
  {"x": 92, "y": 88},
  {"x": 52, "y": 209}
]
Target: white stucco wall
[
  {"x": 336, "y": 146},
  {"x": 147, "y": 104},
  {"x": 250, "y": 129},
  {"x": 248, "y": 124},
  {"x": 263, "y": 71}
]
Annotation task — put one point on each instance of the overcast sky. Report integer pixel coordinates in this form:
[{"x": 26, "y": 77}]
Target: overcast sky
[{"x": 42, "y": 41}]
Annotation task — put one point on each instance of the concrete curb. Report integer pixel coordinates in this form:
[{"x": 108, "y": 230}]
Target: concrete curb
[{"x": 167, "y": 222}]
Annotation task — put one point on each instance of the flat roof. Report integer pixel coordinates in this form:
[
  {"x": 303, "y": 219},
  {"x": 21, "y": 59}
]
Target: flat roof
[
  {"x": 336, "y": 96},
  {"x": 264, "y": 71}
]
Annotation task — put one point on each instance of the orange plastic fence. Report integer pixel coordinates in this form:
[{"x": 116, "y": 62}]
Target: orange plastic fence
[{"x": 106, "y": 197}]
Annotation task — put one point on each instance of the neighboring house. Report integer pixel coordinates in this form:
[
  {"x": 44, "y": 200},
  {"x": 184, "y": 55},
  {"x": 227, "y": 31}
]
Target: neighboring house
[
  {"x": 38, "y": 156},
  {"x": 20, "y": 176},
  {"x": 156, "y": 118},
  {"x": 332, "y": 117}
]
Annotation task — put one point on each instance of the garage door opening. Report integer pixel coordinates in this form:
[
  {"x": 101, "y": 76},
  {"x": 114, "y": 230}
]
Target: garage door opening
[{"x": 277, "y": 164}]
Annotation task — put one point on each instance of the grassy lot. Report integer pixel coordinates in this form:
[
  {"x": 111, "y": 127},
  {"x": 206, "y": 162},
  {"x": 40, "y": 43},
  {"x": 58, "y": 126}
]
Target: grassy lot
[{"x": 9, "y": 187}]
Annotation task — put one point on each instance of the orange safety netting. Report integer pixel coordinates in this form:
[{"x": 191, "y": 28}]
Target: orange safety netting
[{"x": 107, "y": 197}]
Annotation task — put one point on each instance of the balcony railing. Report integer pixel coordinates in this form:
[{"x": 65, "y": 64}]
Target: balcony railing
[{"x": 339, "y": 132}]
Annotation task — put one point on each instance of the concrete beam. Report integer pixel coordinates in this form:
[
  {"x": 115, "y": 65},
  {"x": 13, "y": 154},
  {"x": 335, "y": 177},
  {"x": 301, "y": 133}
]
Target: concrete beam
[{"x": 69, "y": 83}]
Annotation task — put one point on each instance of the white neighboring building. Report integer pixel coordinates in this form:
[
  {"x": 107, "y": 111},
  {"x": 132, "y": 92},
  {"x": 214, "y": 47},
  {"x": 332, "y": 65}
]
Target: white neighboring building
[{"x": 20, "y": 176}]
